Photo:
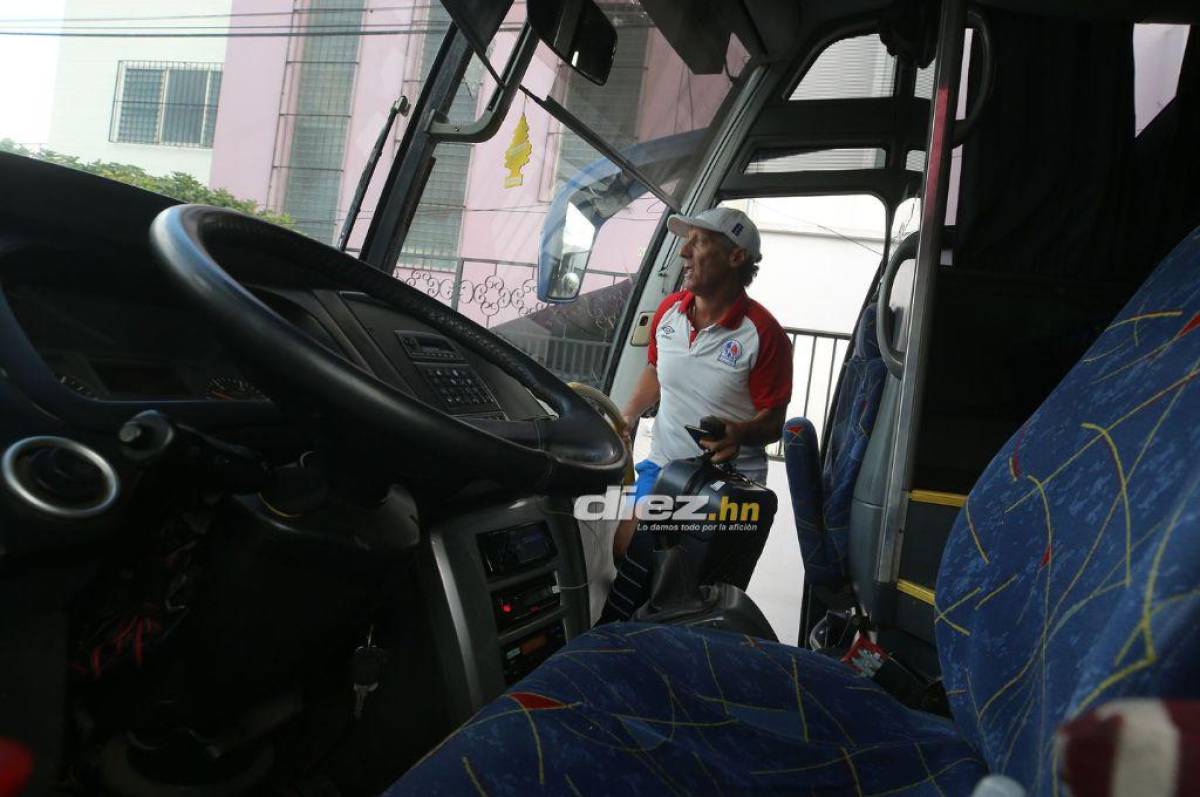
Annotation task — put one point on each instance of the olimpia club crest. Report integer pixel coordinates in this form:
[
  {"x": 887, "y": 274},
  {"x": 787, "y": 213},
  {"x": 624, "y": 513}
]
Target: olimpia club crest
[{"x": 731, "y": 350}]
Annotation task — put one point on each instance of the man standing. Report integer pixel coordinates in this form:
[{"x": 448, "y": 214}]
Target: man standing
[{"x": 713, "y": 351}]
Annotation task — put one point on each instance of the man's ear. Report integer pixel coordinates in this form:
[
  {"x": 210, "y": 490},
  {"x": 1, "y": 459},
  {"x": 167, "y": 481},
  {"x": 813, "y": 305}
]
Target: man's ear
[{"x": 737, "y": 258}]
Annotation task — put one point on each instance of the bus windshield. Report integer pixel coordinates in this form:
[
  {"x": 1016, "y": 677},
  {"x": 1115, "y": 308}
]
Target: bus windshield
[
  {"x": 276, "y": 107},
  {"x": 538, "y": 190}
]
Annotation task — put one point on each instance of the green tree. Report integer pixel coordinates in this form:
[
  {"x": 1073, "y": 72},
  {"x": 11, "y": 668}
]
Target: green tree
[{"x": 177, "y": 185}]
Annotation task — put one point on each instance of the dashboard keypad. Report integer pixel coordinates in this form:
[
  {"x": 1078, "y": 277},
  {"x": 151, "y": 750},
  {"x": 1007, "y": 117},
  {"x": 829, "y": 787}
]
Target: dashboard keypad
[{"x": 458, "y": 387}]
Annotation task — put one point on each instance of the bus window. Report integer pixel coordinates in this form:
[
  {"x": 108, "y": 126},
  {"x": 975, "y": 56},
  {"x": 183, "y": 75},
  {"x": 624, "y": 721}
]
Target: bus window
[
  {"x": 480, "y": 226},
  {"x": 1157, "y": 60},
  {"x": 853, "y": 68}
]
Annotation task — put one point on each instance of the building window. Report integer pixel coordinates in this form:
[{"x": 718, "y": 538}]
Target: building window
[
  {"x": 164, "y": 102},
  {"x": 321, "y": 75},
  {"x": 433, "y": 236}
]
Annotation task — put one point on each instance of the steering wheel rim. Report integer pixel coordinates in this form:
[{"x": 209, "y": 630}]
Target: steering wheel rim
[
  {"x": 574, "y": 453},
  {"x": 612, "y": 413}
]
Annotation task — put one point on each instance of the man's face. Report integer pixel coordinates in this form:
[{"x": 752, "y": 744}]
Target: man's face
[{"x": 710, "y": 262}]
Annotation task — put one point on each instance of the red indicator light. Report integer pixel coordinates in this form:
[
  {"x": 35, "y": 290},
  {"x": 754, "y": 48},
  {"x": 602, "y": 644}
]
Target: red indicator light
[{"x": 506, "y": 608}]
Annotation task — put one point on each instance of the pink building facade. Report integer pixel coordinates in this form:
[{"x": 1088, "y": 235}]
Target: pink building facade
[{"x": 298, "y": 117}]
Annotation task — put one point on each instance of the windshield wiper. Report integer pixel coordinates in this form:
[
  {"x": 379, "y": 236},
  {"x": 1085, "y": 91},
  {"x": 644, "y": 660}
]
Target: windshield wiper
[
  {"x": 577, "y": 126},
  {"x": 399, "y": 108}
]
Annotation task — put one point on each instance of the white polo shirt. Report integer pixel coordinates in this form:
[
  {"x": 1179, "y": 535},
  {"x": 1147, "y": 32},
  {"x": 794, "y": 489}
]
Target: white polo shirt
[{"x": 732, "y": 369}]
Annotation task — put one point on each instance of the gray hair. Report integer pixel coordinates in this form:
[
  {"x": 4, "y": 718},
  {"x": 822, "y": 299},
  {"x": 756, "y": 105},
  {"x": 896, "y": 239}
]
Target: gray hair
[{"x": 748, "y": 270}]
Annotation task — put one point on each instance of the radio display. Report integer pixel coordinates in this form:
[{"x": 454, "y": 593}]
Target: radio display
[
  {"x": 515, "y": 549},
  {"x": 426, "y": 347}
]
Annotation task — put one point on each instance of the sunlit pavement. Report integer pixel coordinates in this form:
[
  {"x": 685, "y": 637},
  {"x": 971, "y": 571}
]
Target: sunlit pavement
[{"x": 776, "y": 583}]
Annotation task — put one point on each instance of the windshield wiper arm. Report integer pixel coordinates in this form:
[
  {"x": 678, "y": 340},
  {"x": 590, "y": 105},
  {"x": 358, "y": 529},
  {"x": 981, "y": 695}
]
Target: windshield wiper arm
[
  {"x": 399, "y": 108},
  {"x": 577, "y": 126}
]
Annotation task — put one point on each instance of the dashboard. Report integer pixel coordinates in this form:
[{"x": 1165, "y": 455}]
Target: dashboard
[
  {"x": 105, "y": 347},
  {"x": 93, "y": 336},
  {"x": 109, "y": 330}
]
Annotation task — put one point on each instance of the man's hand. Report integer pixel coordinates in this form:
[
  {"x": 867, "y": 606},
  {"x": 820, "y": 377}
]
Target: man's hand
[
  {"x": 726, "y": 448},
  {"x": 764, "y": 428},
  {"x": 627, "y": 432}
]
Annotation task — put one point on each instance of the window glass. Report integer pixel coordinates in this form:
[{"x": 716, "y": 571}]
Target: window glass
[
  {"x": 775, "y": 161},
  {"x": 654, "y": 109},
  {"x": 139, "y": 105},
  {"x": 165, "y": 103},
  {"x": 1157, "y": 58},
  {"x": 273, "y": 107},
  {"x": 853, "y": 68},
  {"x": 270, "y": 107},
  {"x": 484, "y": 263},
  {"x": 184, "y": 106},
  {"x": 923, "y": 83},
  {"x": 907, "y": 218},
  {"x": 322, "y": 69},
  {"x": 478, "y": 229}
]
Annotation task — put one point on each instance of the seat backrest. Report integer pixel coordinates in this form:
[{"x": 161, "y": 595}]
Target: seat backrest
[
  {"x": 1072, "y": 575},
  {"x": 851, "y": 422},
  {"x": 822, "y": 505}
]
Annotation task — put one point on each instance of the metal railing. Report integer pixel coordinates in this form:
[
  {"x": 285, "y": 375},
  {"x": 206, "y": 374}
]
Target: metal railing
[
  {"x": 498, "y": 292},
  {"x": 817, "y": 357},
  {"x": 569, "y": 359}
]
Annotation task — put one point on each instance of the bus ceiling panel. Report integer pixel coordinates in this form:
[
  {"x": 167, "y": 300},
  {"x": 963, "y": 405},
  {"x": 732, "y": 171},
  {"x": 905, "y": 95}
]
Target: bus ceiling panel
[
  {"x": 699, "y": 31},
  {"x": 1182, "y": 12},
  {"x": 776, "y": 21},
  {"x": 883, "y": 120},
  {"x": 890, "y": 186}
]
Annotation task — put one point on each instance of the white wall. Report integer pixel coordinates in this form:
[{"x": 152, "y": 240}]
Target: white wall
[
  {"x": 819, "y": 254},
  {"x": 87, "y": 79},
  {"x": 25, "y": 104}
]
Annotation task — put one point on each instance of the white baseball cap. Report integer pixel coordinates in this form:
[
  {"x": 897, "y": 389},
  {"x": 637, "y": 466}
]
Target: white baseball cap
[{"x": 733, "y": 224}]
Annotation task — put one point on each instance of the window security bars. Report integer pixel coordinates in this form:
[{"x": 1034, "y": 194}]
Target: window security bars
[{"x": 165, "y": 102}]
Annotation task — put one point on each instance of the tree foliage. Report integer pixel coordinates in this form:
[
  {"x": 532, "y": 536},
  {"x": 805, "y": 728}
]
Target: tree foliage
[{"x": 177, "y": 185}]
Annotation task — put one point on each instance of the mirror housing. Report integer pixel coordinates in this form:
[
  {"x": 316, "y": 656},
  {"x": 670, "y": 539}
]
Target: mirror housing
[
  {"x": 565, "y": 251},
  {"x": 478, "y": 20},
  {"x": 595, "y": 194},
  {"x": 577, "y": 32}
]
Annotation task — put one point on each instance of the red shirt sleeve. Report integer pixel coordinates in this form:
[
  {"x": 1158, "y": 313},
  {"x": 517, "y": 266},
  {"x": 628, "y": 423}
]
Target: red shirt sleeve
[
  {"x": 667, "y": 304},
  {"x": 771, "y": 376}
]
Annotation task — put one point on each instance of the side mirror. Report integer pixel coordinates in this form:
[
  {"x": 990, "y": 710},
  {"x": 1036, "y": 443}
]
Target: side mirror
[
  {"x": 561, "y": 272},
  {"x": 577, "y": 32}
]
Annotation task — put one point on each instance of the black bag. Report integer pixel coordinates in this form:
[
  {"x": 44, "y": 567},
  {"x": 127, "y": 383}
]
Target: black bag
[{"x": 738, "y": 513}]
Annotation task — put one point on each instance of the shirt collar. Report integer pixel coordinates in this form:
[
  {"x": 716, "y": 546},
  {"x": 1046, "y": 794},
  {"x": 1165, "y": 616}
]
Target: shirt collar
[{"x": 733, "y": 316}]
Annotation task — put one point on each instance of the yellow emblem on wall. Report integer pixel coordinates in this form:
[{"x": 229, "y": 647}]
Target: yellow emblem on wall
[{"x": 517, "y": 154}]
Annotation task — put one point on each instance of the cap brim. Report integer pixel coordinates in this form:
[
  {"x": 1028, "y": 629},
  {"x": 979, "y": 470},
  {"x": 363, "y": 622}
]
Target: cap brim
[{"x": 680, "y": 225}]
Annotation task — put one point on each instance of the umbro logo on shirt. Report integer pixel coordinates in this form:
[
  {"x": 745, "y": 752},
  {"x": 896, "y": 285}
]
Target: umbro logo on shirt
[
  {"x": 667, "y": 330},
  {"x": 730, "y": 351}
]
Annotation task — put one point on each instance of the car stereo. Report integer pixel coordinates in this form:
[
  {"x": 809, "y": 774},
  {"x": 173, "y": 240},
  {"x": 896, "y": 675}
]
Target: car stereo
[
  {"x": 522, "y": 656},
  {"x": 428, "y": 348},
  {"x": 511, "y": 550}
]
